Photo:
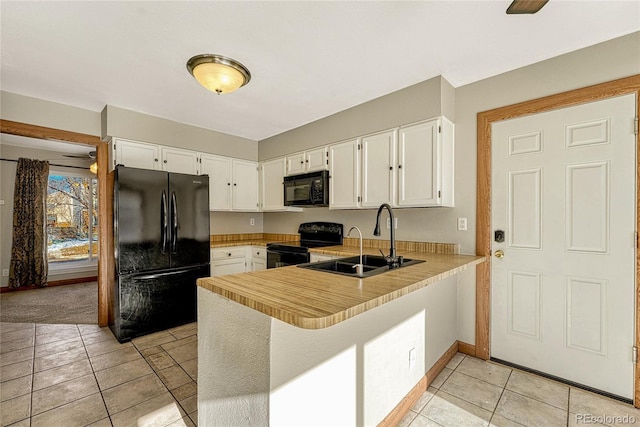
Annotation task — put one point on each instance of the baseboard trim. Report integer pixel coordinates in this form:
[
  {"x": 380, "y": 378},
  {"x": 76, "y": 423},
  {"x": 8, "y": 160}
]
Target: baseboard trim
[
  {"x": 407, "y": 402},
  {"x": 52, "y": 283},
  {"x": 465, "y": 348}
]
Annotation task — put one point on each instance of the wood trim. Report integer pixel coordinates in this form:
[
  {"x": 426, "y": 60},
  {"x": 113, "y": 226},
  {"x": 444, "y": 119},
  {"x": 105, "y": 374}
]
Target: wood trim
[
  {"x": 636, "y": 397},
  {"x": 465, "y": 348},
  {"x": 407, "y": 402},
  {"x": 51, "y": 284},
  {"x": 485, "y": 119},
  {"x": 41, "y": 132}
]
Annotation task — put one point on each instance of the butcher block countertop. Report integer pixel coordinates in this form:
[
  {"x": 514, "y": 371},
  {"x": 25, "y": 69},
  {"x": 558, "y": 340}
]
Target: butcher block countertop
[{"x": 313, "y": 299}]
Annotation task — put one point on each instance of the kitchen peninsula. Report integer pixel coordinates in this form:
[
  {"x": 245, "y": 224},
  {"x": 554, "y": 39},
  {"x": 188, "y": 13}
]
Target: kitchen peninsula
[{"x": 292, "y": 346}]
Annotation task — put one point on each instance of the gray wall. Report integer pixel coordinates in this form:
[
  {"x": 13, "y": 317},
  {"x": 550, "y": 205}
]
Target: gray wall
[
  {"x": 7, "y": 184},
  {"x": 600, "y": 63}
]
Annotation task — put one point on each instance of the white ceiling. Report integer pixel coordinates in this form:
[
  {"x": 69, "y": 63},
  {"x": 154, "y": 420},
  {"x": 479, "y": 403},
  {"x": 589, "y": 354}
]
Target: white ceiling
[{"x": 308, "y": 59}]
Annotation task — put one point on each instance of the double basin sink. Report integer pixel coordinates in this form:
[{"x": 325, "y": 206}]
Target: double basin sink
[{"x": 372, "y": 265}]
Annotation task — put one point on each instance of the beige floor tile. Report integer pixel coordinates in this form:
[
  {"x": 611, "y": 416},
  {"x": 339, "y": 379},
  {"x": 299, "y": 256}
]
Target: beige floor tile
[
  {"x": 500, "y": 421},
  {"x": 14, "y": 410},
  {"x": 80, "y": 412},
  {"x": 424, "y": 399},
  {"x": 174, "y": 377},
  {"x": 112, "y": 377},
  {"x": 194, "y": 417},
  {"x": 10, "y": 327},
  {"x": 422, "y": 421},
  {"x": 448, "y": 410},
  {"x": 14, "y": 335},
  {"x": 63, "y": 393},
  {"x": 16, "y": 356},
  {"x": 180, "y": 342},
  {"x": 115, "y": 358},
  {"x": 24, "y": 423},
  {"x": 160, "y": 361},
  {"x": 187, "y": 390},
  {"x": 16, "y": 370},
  {"x": 132, "y": 393},
  {"x": 61, "y": 374},
  {"x": 105, "y": 347},
  {"x": 441, "y": 378},
  {"x": 16, "y": 387},
  {"x": 539, "y": 388},
  {"x": 91, "y": 329},
  {"x": 59, "y": 359},
  {"x": 455, "y": 360},
  {"x": 485, "y": 371},
  {"x": 185, "y": 333},
  {"x": 63, "y": 335},
  {"x": 190, "y": 404},
  {"x": 584, "y": 402},
  {"x": 187, "y": 351},
  {"x": 582, "y": 420},
  {"x": 191, "y": 368},
  {"x": 100, "y": 336},
  {"x": 58, "y": 347},
  {"x": 529, "y": 412},
  {"x": 105, "y": 422},
  {"x": 183, "y": 422},
  {"x": 152, "y": 340},
  {"x": 473, "y": 390},
  {"x": 158, "y": 411},
  {"x": 20, "y": 344},
  {"x": 151, "y": 350},
  {"x": 56, "y": 328},
  {"x": 408, "y": 417}
]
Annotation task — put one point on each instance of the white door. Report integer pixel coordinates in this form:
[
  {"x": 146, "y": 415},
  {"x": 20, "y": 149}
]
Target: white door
[
  {"x": 344, "y": 175},
  {"x": 219, "y": 171},
  {"x": 378, "y": 164},
  {"x": 563, "y": 192},
  {"x": 244, "y": 191}
]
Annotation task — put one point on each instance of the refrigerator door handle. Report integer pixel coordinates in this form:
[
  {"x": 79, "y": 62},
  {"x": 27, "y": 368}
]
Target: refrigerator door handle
[
  {"x": 165, "y": 221},
  {"x": 174, "y": 212}
]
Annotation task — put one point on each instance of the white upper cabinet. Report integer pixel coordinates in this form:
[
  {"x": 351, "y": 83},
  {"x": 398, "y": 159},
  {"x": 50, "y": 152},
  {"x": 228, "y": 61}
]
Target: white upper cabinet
[
  {"x": 344, "y": 175},
  {"x": 425, "y": 164},
  {"x": 233, "y": 183},
  {"x": 272, "y": 180},
  {"x": 308, "y": 161},
  {"x": 134, "y": 154},
  {"x": 219, "y": 170},
  {"x": 179, "y": 161},
  {"x": 244, "y": 191},
  {"x": 378, "y": 169}
]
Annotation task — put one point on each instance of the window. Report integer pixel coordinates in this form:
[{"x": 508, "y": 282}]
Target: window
[{"x": 72, "y": 220}]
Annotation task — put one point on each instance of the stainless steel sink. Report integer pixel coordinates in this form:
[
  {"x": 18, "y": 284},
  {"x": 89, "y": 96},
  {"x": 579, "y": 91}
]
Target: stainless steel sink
[{"x": 372, "y": 265}]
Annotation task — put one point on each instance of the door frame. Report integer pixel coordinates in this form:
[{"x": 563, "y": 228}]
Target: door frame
[
  {"x": 105, "y": 262},
  {"x": 485, "y": 119}
]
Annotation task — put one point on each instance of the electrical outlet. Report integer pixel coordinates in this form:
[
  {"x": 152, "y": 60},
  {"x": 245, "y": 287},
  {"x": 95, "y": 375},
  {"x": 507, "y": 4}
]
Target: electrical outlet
[
  {"x": 462, "y": 224},
  {"x": 388, "y": 223},
  {"x": 412, "y": 358},
  {"x": 395, "y": 223},
  {"x": 1, "y": 202},
  {"x": 5, "y": 272},
  {"x": 252, "y": 221}
]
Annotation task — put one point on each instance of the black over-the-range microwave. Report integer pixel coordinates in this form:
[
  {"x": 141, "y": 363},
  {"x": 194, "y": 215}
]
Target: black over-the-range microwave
[{"x": 309, "y": 189}]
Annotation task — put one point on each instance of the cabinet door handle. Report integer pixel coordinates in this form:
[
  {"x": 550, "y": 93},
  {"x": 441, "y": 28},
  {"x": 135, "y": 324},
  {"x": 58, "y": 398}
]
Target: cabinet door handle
[
  {"x": 399, "y": 166},
  {"x": 155, "y": 160},
  {"x": 165, "y": 161},
  {"x": 229, "y": 254},
  {"x": 390, "y": 168},
  {"x": 228, "y": 183}
]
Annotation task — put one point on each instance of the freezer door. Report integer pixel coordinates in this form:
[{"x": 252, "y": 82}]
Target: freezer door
[
  {"x": 141, "y": 220},
  {"x": 146, "y": 303},
  {"x": 189, "y": 219}
]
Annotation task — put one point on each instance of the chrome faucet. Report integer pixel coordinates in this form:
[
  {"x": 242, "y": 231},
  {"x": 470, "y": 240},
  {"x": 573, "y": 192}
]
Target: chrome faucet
[
  {"x": 393, "y": 260},
  {"x": 359, "y": 267}
]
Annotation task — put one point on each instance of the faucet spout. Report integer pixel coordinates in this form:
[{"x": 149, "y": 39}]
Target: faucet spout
[
  {"x": 359, "y": 267},
  {"x": 393, "y": 259}
]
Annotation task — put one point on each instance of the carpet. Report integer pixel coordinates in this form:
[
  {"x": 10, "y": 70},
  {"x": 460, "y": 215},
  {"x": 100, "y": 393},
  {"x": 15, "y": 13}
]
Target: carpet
[{"x": 74, "y": 304}]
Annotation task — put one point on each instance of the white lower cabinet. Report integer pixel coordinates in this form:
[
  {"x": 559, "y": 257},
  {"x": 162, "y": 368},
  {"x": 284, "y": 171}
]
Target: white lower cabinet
[{"x": 238, "y": 259}]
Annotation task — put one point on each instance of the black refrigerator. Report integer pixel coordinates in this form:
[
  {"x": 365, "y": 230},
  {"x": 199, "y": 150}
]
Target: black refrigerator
[{"x": 161, "y": 242}]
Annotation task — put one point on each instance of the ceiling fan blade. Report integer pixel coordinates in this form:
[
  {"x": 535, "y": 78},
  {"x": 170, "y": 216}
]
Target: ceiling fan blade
[
  {"x": 89, "y": 156},
  {"x": 519, "y": 7}
]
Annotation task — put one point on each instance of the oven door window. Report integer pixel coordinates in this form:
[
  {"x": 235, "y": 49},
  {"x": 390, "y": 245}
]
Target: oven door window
[{"x": 283, "y": 259}]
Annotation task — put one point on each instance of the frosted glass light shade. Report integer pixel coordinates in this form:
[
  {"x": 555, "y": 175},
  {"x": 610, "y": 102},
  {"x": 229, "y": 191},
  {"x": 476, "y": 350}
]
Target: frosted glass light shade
[{"x": 218, "y": 73}]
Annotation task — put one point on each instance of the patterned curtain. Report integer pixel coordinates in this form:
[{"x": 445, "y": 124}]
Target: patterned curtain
[{"x": 29, "y": 251}]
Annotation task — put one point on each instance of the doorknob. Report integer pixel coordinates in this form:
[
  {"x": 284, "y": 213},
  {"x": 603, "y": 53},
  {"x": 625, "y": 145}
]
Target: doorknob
[{"x": 499, "y": 254}]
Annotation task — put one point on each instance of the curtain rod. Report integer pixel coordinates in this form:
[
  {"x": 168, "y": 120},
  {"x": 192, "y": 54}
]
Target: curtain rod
[{"x": 50, "y": 164}]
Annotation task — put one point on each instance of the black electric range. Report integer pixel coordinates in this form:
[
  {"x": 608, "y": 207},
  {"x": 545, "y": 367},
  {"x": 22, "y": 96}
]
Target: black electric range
[{"x": 312, "y": 235}]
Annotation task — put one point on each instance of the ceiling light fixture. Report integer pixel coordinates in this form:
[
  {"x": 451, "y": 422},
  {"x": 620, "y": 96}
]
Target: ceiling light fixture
[
  {"x": 218, "y": 73},
  {"x": 519, "y": 7}
]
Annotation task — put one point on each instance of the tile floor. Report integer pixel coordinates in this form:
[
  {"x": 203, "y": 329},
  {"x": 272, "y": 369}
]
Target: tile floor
[
  {"x": 79, "y": 375},
  {"x": 472, "y": 392}
]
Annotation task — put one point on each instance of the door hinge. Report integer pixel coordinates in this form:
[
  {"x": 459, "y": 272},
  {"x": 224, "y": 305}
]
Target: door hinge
[
  {"x": 635, "y": 125},
  {"x": 439, "y": 129},
  {"x": 359, "y": 199},
  {"x": 635, "y": 354},
  {"x": 358, "y": 146},
  {"x": 439, "y": 194},
  {"x": 636, "y": 237}
]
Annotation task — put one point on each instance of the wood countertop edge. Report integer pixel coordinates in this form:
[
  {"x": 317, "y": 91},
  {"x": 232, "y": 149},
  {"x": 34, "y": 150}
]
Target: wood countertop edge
[{"x": 320, "y": 322}]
